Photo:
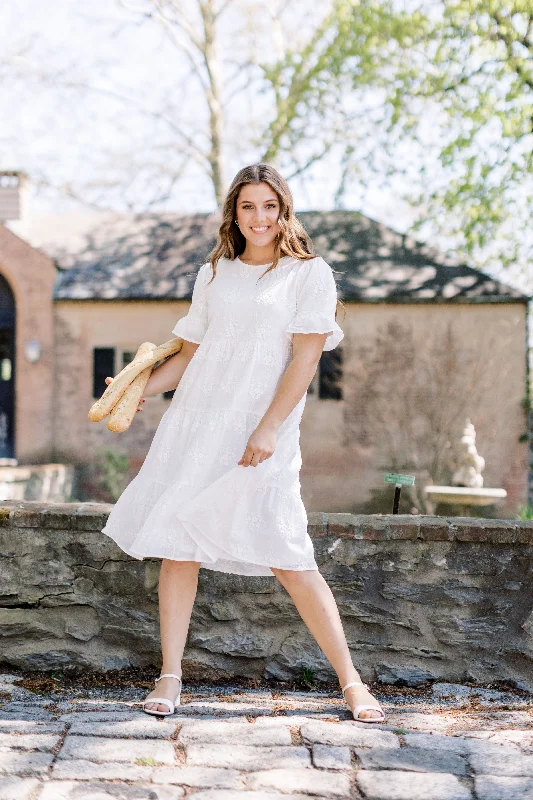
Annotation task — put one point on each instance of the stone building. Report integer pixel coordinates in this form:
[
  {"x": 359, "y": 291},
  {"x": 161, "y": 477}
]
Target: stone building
[{"x": 428, "y": 342}]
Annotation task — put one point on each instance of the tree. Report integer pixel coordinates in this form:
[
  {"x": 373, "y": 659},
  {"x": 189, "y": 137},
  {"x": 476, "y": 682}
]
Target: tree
[
  {"x": 301, "y": 73},
  {"x": 471, "y": 69}
]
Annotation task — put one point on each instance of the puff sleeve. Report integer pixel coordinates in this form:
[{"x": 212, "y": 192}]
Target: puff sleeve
[
  {"x": 316, "y": 303},
  {"x": 193, "y": 325}
]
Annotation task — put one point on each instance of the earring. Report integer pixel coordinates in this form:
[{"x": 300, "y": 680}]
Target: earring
[{"x": 236, "y": 223}]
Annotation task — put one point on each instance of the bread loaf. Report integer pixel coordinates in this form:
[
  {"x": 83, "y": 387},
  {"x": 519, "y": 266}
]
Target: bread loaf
[
  {"x": 126, "y": 408},
  {"x": 120, "y": 383}
]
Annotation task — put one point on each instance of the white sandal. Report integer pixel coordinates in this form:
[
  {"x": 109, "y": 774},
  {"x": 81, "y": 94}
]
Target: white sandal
[
  {"x": 364, "y": 706},
  {"x": 171, "y": 705}
]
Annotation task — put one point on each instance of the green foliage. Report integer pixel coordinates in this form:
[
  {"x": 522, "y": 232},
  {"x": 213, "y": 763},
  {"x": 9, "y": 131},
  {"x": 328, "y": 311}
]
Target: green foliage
[
  {"x": 472, "y": 67},
  {"x": 114, "y": 468},
  {"x": 466, "y": 65},
  {"x": 525, "y": 512},
  {"x": 347, "y": 52},
  {"x": 453, "y": 81},
  {"x": 308, "y": 677}
]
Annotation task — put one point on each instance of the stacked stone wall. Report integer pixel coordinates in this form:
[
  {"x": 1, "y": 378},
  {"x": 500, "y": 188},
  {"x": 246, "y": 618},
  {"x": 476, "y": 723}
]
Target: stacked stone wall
[{"x": 420, "y": 597}]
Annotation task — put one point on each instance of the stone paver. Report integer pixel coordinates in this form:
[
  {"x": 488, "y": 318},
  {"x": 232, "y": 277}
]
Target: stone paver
[
  {"x": 107, "y": 716},
  {"x": 511, "y": 764},
  {"x": 412, "y": 758},
  {"x": 327, "y": 756},
  {"x": 246, "y": 733},
  {"x": 523, "y": 739},
  {"x": 73, "y": 790},
  {"x": 19, "y": 788},
  {"x": 96, "y": 748},
  {"x": 226, "y": 708},
  {"x": 30, "y": 726},
  {"x": 74, "y": 769},
  {"x": 16, "y": 711},
  {"x": 416, "y": 721},
  {"x": 462, "y": 745},
  {"x": 392, "y": 785},
  {"x": 247, "y": 757},
  {"x": 323, "y": 784},
  {"x": 144, "y": 727},
  {"x": 348, "y": 733},
  {"x": 45, "y": 742},
  {"x": 213, "y": 777},
  {"x": 427, "y": 741},
  {"x": 229, "y": 794},
  {"x": 497, "y": 787},
  {"x": 224, "y": 745},
  {"x": 293, "y": 719},
  {"x": 30, "y": 763}
]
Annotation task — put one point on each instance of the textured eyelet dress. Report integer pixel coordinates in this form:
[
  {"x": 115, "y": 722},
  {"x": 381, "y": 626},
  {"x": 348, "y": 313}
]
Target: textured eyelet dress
[{"x": 191, "y": 500}]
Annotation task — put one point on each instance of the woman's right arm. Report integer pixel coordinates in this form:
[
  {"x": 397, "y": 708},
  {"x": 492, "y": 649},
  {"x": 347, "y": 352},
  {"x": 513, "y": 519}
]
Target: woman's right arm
[{"x": 167, "y": 375}]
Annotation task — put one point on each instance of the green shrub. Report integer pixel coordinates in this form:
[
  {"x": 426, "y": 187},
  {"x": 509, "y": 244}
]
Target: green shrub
[
  {"x": 525, "y": 512},
  {"x": 114, "y": 468}
]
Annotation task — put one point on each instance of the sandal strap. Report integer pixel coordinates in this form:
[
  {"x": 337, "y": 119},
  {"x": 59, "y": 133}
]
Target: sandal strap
[
  {"x": 366, "y": 707},
  {"x": 163, "y": 700},
  {"x": 168, "y": 675},
  {"x": 354, "y": 683}
]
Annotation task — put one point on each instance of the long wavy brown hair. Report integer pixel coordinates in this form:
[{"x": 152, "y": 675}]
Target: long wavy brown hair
[{"x": 292, "y": 239}]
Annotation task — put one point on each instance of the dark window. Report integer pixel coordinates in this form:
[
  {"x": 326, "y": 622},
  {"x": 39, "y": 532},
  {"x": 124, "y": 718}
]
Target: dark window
[
  {"x": 127, "y": 357},
  {"x": 103, "y": 366},
  {"x": 330, "y": 375}
]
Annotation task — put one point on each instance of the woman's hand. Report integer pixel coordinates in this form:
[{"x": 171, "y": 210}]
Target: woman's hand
[
  {"x": 260, "y": 446},
  {"x": 141, "y": 401}
]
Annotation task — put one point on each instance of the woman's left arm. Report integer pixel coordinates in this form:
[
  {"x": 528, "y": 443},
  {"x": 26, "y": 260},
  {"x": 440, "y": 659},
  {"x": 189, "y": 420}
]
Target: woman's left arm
[{"x": 307, "y": 349}]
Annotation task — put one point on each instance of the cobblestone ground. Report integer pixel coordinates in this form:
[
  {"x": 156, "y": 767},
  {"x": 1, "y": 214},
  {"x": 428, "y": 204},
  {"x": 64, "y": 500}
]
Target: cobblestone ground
[{"x": 450, "y": 742}]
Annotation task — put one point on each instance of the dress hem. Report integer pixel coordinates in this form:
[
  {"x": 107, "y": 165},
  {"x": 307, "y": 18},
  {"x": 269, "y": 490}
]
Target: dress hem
[{"x": 212, "y": 565}]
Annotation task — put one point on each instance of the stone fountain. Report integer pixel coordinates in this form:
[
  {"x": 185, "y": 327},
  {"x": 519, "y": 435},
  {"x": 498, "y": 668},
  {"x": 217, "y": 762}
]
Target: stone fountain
[{"x": 467, "y": 482}]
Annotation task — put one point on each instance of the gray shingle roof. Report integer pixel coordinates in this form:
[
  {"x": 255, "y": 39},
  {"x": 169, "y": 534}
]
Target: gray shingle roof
[{"x": 106, "y": 255}]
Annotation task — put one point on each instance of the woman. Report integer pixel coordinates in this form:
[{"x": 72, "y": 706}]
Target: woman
[{"x": 220, "y": 485}]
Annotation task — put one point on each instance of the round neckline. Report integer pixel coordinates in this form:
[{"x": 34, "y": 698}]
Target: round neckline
[{"x": 258, "y": 265}]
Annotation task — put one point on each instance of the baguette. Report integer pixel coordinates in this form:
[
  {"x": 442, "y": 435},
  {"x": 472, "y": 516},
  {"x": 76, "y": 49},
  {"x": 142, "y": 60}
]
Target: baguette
[
  {"x": 120, "y": 383},
  {"x": 126, "y": 408}
]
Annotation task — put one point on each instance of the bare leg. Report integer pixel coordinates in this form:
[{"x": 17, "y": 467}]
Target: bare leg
[
  {"x": 178, "y": 582},
  {"x": 317, "y": 607}
]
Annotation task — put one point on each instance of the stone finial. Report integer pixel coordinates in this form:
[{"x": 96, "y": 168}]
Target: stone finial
[{"x": 470, "y": 464}]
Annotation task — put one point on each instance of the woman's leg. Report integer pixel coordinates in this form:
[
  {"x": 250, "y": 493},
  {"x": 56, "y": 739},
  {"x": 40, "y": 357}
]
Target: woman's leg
[
  {"x": 317, "y": 607},
  {"x": 178, "y": 582}
]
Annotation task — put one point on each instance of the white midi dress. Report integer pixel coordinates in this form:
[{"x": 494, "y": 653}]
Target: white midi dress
[{"x": 191, "y": 500}]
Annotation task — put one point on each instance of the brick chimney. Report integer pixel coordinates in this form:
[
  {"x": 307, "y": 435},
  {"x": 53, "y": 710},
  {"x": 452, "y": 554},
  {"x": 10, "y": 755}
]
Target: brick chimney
[{"x": 13, "y": 195}]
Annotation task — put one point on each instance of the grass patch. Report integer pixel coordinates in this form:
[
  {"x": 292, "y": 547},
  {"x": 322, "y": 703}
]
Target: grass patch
[{"x": 143, "y": 761}]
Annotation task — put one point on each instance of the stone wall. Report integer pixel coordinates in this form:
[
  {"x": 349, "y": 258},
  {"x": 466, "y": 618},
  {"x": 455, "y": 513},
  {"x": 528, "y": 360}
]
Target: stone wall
[
  {"x": 49, "y": 483},
  {"x": 421, "y": 597}
]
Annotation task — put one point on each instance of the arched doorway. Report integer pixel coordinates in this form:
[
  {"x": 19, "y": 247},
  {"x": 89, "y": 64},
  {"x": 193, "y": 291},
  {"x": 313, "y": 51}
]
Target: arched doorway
[{"x": 7, "y": 370}]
